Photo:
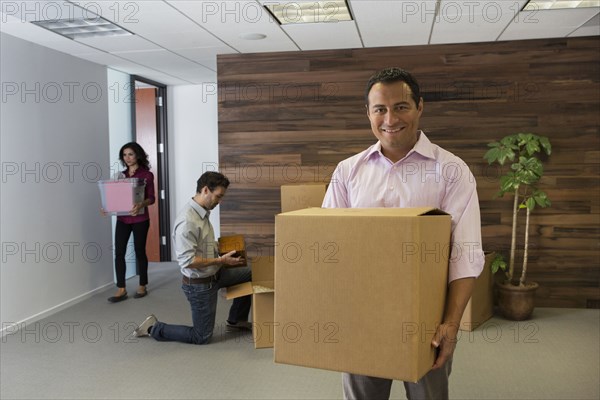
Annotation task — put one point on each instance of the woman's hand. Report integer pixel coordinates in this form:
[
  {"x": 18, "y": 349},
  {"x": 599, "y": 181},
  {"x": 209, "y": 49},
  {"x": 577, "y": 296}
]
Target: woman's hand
[{"x": 136, "y": 208}]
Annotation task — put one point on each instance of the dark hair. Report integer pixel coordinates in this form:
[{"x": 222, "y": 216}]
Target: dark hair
[
  {"x": 140, "y": 154},
  {"x": 392, "y": 75},
  {"x": 211, "y": 180}
]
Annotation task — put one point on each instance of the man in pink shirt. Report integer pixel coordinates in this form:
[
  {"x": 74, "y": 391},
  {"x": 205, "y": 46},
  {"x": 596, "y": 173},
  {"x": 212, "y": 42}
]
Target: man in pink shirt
[{"x": 404, "y": 169}]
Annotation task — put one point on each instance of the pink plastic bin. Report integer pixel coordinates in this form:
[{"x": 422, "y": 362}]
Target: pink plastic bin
[{"x": 119, "y": 196}]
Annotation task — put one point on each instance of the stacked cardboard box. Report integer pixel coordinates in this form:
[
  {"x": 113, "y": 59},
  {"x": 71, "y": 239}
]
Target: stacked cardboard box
[
  {"x": 360, "y": 290},
  {"x": 480, "y": 307},
  {"x": 297, "y": 197},
  {"x": 262, "y": 289}
]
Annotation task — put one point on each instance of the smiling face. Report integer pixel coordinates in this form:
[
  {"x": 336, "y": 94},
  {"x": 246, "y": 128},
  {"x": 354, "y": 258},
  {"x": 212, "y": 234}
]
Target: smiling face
[
  {"x": 129, "y": 157},
  {"x": 394, "y": 118}
]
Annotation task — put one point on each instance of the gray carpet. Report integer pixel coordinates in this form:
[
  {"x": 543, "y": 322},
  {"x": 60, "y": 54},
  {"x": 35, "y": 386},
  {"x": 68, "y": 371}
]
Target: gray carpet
[{"x": 85, "y": 352}]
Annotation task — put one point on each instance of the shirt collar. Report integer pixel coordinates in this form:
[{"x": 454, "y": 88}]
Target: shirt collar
[
  {"x": 199, "y": 209},
  {"x": 423, "y": 146}
]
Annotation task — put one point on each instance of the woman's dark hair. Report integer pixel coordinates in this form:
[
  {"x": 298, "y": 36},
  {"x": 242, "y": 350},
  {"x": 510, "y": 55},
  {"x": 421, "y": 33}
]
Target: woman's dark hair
[
  {"x": 140, "y": 154},
  {"x": 212, "y": 180},
  {"x": 391, "y": 75}
]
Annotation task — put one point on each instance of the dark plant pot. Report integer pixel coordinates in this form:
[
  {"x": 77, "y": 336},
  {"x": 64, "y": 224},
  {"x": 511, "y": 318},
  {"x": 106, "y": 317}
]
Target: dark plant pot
[{"x": 516, "y": 302}]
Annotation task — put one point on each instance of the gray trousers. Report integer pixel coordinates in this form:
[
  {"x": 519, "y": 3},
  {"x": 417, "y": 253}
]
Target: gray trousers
[{"x": 433, "y": 386}]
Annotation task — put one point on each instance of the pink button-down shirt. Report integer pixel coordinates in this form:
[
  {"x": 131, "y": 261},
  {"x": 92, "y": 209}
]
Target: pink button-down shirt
[{"x": 428, "y": 176}]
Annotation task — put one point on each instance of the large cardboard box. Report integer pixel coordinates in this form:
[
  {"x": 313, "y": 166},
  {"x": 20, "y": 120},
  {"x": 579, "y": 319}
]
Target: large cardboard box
[
  {"x": 480, "y": 307},
  {"x": 360, "y": 290},
  {"x": 262, "y": 290},
  {"x": 300, "y": 196}
]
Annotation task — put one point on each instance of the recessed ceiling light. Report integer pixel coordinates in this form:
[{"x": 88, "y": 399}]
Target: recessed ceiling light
[
  {"x": 535, "y": 5},
  {"x": 297, "y": 12},
  {"x": 253, "y": 36},
  {"x": 83, "y": 28}
]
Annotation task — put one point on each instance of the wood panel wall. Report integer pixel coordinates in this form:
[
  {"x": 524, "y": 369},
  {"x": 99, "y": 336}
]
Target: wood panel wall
[{"x": 291, "y": 117}]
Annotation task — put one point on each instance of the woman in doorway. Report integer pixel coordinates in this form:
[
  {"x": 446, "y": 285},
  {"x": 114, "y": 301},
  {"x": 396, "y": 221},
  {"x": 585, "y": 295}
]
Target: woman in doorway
[{"x": 135, "y": 160}]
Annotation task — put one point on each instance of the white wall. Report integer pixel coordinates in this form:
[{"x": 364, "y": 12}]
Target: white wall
[
  {"x": 119, "y": 133},
  {"x": 56, "y": 247},
  {"x": 63, "y": 121},
  {"x": 193, "y": 142}
]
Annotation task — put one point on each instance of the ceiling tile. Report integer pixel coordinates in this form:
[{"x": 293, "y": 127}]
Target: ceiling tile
[
  {"x": 590, "y": 28},
  {"x": 229, "y": 20},
  {"x": 394, "y": 23},
  {"x": 204, "y": 56},
  {"x": 113, "y": 44},
  {"x": 473, "y": 21},
  {"x": 331, "y": 35},
  {"x": 546, "y": 23}
]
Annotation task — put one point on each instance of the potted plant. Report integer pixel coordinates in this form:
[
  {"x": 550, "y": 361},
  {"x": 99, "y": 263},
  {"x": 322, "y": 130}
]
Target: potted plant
[{"x": 516, "y": 295}]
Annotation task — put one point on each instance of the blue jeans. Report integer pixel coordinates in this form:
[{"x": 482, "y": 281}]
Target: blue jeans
[{"x": 203, "y": 301}]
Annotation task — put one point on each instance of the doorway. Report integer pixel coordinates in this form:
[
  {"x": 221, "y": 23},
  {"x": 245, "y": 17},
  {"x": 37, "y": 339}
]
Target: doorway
[{"x": 149, "y": 123}]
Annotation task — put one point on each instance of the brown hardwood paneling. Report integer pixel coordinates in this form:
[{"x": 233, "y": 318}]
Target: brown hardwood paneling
[{"x": 290, "y": 117}]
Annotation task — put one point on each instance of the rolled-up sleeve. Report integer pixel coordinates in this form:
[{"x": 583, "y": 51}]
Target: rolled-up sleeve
[
  {"x": 149, "y": 191},
  {"x": 185, "y": 238}
]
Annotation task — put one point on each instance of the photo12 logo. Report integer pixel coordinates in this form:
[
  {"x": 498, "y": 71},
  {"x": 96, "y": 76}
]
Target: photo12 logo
[
  {"x": 119, "y": 12},
  {"x": 51, "y": 252},
  {"x": 51, "y": 92},
  {"x": 454, "y": 12},
  {"x": 50, "y": 172}
]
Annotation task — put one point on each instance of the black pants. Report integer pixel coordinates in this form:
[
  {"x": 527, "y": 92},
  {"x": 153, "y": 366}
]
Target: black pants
[{"x": 140, "y": 234}]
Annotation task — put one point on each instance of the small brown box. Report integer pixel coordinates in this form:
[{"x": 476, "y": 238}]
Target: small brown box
[
  {"x": 300, "y": 196},
  {"x": 233, "y": 243}
]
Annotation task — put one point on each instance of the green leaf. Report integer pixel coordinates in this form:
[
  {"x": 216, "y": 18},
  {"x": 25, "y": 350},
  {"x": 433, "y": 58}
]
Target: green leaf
[
  {"x": 506, "y": 153},
  {"x": 509, "y": 183},
  {"x": 541, "y": 198},
  {"x": 530, "y": 203},
  {"x": 492, "y": 155},
  {"x": 498, "y": 263},
  {"x": 546, "y": 145},
  {"x": 532, "y": 147},
  {"x": 509, "y": 141}
]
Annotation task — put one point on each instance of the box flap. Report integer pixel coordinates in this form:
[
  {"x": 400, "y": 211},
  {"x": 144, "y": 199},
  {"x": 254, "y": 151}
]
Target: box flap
[
  {"x": 263, "y": 269},
  {"x": 243, "y": 289},
  {"x": 248, "y": 288},
  {"x": 367, "y": 212}
]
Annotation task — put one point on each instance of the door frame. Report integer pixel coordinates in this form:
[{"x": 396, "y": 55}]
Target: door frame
[{"x": 162, "y": 193}]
